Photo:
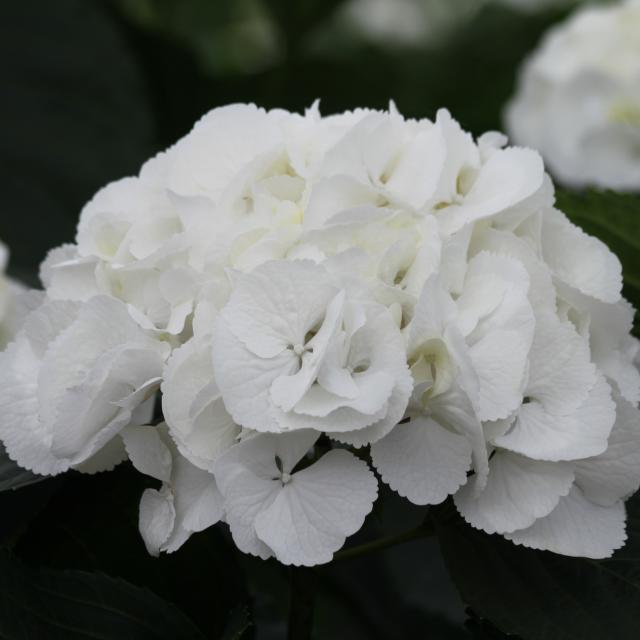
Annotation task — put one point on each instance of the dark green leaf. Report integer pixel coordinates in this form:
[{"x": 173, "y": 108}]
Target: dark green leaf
[
  {"x": 615, "y": 219},
  {"x": 483, "y": 629},
  {"x": 239, "y": 624},
  {"x": 74, "y": 605},
  {"x": 543, "y": 596},
  {"x": 224, "y": 37},
  {"x": 92, "y": 525},
  {"x": 12, "y": 476},
  {"x": 19, "y": 508}
]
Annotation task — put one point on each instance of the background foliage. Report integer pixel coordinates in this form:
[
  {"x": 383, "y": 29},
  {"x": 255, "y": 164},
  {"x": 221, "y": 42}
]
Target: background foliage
[{"x": 93, "y": 88}]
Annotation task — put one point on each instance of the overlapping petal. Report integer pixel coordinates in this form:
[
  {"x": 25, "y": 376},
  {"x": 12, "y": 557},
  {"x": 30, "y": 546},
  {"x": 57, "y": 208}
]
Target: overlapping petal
[{"x": 300, "y": 516}]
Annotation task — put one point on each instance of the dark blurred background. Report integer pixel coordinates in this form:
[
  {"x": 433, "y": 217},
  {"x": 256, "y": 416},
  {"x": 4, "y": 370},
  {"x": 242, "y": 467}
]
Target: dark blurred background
[{"x": 90, "y": 89}]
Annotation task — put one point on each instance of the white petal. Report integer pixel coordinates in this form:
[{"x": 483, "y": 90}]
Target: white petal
[
  {"x": 518, "y": 492},
  {"x": 542, "y": 294},
  {"x": 580, "y": 260},
  {"x": 193, "y": 406},
  {"x": 395, "y": 410},
  {"x": 198, "y": 503},
  {"x": 373, "y": 391},
  {"x": 384, "y": 387},
  {"x": 106, "y": 459},
  {"x": 494, "y": 297},
  {"x": 23, "y": 434},
  {"x": 618, "y": 367},
  {"x": 48, "y": 321},
  {"x": 67, "y": 276},
  {"x": 143, "y": 413},
  {"x": 245, "y": 380},
  {"x": 247, "y": 476},
  {"x": 416, "y": 175},
  {"x": 277, "y": 305},
  {"x": 239, "y": 133},
  {"x": 314, "y": 513},
  {"x": 334, "y": 195},
  {"x": 91, "y": 413},
  {"x": 462, "y": 154},
  {"x": 287, "y": 391},
  {"x": 508, "y": 177},
  {"x": 500, "y": 360},
  {"x": 454, "y": 410},
  {"x": 148, "y": 452},
  {"x": 422, "y": 460},
  {"x": 615, "y": 474},
  {"x": 543, "y": 435},
  {"x": 102, "y": 324},
  {"x": 433, "y": 312},
  {"x": 577, "y": 527},
  {"x": 560, "y": 370},
  {"x": 156, "y": 519}
]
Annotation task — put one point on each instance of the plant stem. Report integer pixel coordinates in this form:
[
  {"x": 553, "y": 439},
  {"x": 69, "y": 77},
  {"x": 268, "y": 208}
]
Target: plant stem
[
  {"x": 422, "y": 531},
  {"x": 303, "y": 584}
]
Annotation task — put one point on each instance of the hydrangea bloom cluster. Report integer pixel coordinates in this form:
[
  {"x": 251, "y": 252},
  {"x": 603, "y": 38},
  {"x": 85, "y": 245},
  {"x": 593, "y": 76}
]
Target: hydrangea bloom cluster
[
  {"x": 324, "y": 301},
  {"x": 579, "y": 98}
]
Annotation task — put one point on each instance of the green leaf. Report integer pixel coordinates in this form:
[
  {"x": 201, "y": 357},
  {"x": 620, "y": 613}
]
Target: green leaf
[
  {"x": 226, "y": 38},
  {"x": 239, "y": 624},
  {"x": 540, "y": 595},
  {"x": 13, "y": 476},
  {"x": 483, "y": 629},
  {"x": 615, "y": 219},
  {"x": 74, "y": 605},
  {"x": 92, "y": 525}
]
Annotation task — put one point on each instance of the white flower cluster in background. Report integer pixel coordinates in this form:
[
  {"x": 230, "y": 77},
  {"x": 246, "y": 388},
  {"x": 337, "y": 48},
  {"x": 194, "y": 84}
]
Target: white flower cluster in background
[
  {"x": 15, "y": 301},
  {"x": 578, "y": 99},
  {"x": 413, "y": 23},
  {"x": 5, "y": 296},
  {"x": 424, "y": 23},
  {"x": 322, "y": 301}
]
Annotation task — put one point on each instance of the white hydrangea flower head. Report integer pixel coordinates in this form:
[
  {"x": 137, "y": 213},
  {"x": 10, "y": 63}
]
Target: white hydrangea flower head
[
  {"x": 320, "y": 299},
  {"x": 578, "y": 99}
]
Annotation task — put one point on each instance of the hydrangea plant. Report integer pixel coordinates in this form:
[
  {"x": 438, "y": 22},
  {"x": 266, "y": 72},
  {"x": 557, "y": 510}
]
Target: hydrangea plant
[{"x": 323, "y": 304}]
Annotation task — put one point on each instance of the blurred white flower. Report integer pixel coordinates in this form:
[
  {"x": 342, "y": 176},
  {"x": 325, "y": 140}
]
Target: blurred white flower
[
  {"x": 578, "y": 98},
  {"x": 15, "y": 302},
  {"x": 408, "y": 23},
  {"x": 422, "y": 23}
]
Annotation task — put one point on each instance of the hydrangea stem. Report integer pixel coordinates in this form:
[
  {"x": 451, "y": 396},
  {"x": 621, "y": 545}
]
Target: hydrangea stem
[
  {"x": 422, "y": 531},
  {"x": 303, "y": 584}
]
